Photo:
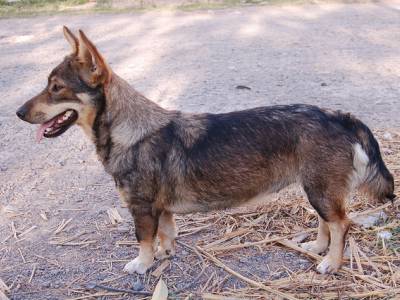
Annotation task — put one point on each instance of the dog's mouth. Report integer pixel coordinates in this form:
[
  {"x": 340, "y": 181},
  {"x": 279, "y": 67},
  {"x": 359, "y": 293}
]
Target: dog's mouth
[{"x": 57, "y": 125}]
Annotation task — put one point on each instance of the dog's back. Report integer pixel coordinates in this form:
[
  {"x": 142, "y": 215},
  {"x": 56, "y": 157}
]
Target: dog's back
[{"x": 234, "y": 157}]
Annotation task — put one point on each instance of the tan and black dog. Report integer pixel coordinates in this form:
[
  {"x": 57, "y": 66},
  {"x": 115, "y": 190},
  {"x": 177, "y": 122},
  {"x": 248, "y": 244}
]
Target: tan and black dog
[{"x": 167, "y": 162}]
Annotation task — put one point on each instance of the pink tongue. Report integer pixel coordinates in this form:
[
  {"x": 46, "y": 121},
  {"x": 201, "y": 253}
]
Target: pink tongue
[{"x": 42, "y": 128}]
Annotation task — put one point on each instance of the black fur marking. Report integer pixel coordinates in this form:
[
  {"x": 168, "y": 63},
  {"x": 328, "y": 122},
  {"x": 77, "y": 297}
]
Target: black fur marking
[
  {"x": 316, "y": 200},
  {"x": 101, "y": 130}
]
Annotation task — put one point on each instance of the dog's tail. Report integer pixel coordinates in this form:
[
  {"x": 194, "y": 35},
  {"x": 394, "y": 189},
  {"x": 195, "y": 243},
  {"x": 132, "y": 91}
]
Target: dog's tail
[{"x": 370, "y": 172}]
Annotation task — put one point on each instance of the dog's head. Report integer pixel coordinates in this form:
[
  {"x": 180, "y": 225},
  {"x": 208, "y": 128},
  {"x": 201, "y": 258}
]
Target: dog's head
[{"x": 73, "y": 93}]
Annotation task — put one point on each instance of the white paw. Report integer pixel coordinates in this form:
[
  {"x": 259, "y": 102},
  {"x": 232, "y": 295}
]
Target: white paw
[
  {"x": 137, "y": 266},
  {"x": 313, "y": 247},
  {"x": 164, "y": 253},
  {"x": 327, "y": 266}
]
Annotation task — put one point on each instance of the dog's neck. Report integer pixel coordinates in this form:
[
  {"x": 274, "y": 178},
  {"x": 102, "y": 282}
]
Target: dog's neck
[{"x": 125, "y": 118}]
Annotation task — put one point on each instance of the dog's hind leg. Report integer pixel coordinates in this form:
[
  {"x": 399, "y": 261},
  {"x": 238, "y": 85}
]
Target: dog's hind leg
[
  {"x": 166, "y": 233},
  {"x": 146, "y": 228},
  {"x": 322, "y": 242}
]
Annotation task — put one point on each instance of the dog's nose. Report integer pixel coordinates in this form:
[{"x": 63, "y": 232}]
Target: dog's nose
[{"x": 21, "y": 112}]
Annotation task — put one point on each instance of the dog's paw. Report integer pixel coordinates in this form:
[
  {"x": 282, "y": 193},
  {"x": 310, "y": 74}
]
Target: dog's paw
[
  {"x": 137, "y": 266},
  {"x": 162, "y": 253},
  {"x": 328, "y": 266},
  {"x": 313, "y": 247}
]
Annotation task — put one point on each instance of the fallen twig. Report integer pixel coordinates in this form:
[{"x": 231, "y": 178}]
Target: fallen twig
[{"x": 91, "y": 286}]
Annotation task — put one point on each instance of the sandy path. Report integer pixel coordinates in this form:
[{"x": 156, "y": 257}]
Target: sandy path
[{"x": 337, "y": 56}]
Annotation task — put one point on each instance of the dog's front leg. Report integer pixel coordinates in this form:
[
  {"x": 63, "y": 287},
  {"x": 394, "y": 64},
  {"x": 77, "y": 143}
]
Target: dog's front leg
[{"x": 146, "y": 230}]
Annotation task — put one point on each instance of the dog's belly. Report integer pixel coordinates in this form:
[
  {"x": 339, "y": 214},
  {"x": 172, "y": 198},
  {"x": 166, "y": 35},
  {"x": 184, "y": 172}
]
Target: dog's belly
[
  {"x": 193, "y": 206},
  {"x": 261, "y": 199},
  {"x": 186, "y": 207}
]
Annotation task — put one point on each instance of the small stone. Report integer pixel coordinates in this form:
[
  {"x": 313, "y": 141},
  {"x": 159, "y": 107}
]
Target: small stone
[
  {"x": 387, "y": 136},
  {"x": 243, "y": 87},
  {"x": 90, "y": 285},
  {"x": 324, "y": 84},
  {"x": 387, "y": 151},
  {"x": 137, "y": 286},
  {"x": 123, "y": 228},
  {"x": 278, "y": 275},
  {"x": 57, "y": 284},
  {"x": 384, "y": 235},
  {"x": 368, "y": 221}
]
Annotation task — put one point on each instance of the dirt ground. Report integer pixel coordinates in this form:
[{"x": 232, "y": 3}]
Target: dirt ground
[{"x": 340, "y": 56}]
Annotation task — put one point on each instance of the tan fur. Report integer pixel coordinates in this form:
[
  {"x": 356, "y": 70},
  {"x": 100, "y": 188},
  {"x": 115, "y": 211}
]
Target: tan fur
[
  {"x": 96, "y": 69},
  {"x": 322, "y": 242},
  {"x": 72, "y": 40},
  {"x": 86, "y": 119},
  {"x": 166, "y": 234},
  {"x": 333, "y": 260}
]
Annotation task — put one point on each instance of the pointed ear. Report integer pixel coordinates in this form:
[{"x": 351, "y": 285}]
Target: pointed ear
[
  {"x": 91, "y": 58},
  {"x": 72, "y": 40}
]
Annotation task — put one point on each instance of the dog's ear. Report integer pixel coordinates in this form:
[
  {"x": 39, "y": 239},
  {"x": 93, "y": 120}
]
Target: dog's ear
[
  {"x": 96, "y": 69},
  {"x": 72, "y": 40}
]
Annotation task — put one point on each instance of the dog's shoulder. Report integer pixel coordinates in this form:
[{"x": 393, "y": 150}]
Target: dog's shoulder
[{"x": 187, "y": 128}]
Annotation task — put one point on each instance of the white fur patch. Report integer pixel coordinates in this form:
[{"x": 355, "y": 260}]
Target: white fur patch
[
  {"x": 360, "y": 163},
  {"x": 85, "y": 98},
  {"x": 143, "y": 261},
  {"x": 326, "y": 266},
  {"x": 137, "y": 265}
]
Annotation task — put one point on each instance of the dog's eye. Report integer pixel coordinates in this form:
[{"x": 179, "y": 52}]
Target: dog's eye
[{"x": 56, "y": 88}]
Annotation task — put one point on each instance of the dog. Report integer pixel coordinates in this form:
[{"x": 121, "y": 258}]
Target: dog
[{"x": 166, "y": 162}]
